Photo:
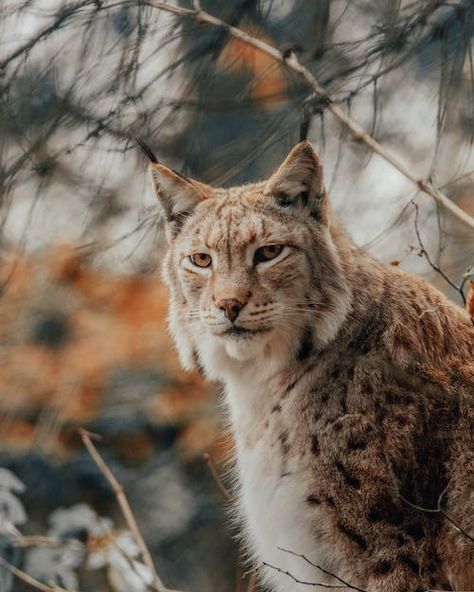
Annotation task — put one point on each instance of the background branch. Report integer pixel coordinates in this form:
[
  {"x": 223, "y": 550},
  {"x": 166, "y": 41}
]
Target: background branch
[
  {"x": 358, "y": 133},
  {"x": 129, "y": 517},
  {"x": 33, "y": 582},
  {"x": 436, "y": 268}
]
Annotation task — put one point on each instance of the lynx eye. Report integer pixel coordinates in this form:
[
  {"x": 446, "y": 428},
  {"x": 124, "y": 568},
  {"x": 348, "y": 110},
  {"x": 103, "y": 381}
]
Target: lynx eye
[
  {"x": 200, "y": 259},
  {"x": 267, "y": 253}
]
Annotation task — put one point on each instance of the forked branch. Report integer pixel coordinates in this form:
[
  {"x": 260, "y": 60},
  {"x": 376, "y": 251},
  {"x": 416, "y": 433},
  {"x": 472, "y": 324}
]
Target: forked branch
[
  {"x": 323, "y": 570},
  {"x": 128, "y": 515},
  {"x": 431, "y": 263},
  {"x": 306, "y": 582}
]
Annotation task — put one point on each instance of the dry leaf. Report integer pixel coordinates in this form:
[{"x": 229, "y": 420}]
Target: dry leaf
[{"x": 470, "y": 300}]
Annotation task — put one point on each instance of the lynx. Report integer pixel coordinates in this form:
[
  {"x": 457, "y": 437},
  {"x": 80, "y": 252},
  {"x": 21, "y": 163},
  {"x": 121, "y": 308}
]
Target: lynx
[{"x": 349, "y": 385}]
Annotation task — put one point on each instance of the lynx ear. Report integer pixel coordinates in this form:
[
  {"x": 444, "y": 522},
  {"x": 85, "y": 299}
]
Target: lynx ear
[
  {"x": 177, "y": 194},
  {"x": 298, "y": 182}
]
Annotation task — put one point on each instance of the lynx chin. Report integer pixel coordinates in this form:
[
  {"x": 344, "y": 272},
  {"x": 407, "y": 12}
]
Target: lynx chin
[{"x": 349, "y": 385}]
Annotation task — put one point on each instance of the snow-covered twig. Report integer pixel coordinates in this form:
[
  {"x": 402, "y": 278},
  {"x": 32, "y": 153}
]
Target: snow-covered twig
[{"x": 21, "y": 575}]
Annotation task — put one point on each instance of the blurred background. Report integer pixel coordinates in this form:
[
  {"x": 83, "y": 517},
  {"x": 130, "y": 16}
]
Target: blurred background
[{"x": 83, "y": 338}]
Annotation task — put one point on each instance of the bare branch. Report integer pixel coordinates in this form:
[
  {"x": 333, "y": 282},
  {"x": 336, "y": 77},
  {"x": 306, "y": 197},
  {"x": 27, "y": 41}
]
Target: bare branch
[
  {"x": 124, "y": 506},
  {"x": 303, "y": 582},
  {"x": 35, "y": 541},
  {"x": 357, "y": 132},
  {"x": 327, "y": 572},
  {"x": 439, "y": 510},
  {"x": 215, "y": 475},
  {"x": 431, "y": 263},
  {"x": 62, "y": 16},
  {"x": 252, "y": 582},
  {"x": 33, "y": 582}
]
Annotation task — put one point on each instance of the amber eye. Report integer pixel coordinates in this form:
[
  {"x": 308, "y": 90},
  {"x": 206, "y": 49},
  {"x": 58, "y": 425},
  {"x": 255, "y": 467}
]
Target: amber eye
[
  {"x": 201, "y": 259},
  {"x": 267, "y": 253}
]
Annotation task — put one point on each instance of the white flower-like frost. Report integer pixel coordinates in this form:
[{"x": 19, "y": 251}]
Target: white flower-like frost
[
  {"x": 12, "y": 512},
  {"x": 117, "y": 553},
  {"x": 10, "y": 482},
  {"x": 65, "y": 521},
  {"x": 56, "y": 565}
]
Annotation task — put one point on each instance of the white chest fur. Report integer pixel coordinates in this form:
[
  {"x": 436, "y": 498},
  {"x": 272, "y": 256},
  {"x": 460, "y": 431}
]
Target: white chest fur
[{"x": 274, "y": 485}]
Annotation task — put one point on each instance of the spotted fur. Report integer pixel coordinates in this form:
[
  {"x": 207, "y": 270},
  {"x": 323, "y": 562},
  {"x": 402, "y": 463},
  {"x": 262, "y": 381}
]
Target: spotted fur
[{"x": 349, "y": 385}]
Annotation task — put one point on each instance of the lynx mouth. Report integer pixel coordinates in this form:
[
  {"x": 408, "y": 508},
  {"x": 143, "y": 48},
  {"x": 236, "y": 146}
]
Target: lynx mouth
[{"x": 241, "y": 332}]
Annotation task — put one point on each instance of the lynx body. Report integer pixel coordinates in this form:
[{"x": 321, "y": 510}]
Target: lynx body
[{"x": 349, "y": 385}]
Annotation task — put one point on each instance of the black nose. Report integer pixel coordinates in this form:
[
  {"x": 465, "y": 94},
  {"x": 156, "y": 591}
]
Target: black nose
[{"x": 231, "y": 307}]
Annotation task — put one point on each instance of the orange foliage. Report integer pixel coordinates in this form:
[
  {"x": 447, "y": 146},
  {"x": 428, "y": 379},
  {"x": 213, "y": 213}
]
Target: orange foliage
[
  {"x": 98, "y": 324},
  {"x": 269, "y": 85}
]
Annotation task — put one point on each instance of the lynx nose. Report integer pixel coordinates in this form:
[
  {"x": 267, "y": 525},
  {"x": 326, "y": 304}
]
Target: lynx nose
[{"x": 231, "y": 307}]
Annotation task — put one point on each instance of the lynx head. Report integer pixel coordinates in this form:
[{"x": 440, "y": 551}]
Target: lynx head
[{"x": 252, "y": 271}]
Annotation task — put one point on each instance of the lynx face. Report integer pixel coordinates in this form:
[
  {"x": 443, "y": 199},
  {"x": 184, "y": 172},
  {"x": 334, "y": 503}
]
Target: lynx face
[
  {"x": 243, "y": 273},
  {"x": 248, "y": 267}
]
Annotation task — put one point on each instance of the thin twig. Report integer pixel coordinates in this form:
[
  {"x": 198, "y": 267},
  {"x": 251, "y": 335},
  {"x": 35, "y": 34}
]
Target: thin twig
[
  {"x": 33, "y": 582},
  {"x": 433, "y": 310},
  {"x": 62, "y": 15},
  {"x": 439, "y": 510},
  {"x": 252, "y": 583},
  {"x": 358, "y": 133},
  {"x": 36, "y": 541},
  {"x": 230, "y": 499},
  {"x": 431, "y": 263},
  {"x": 303, "y": 582},
  {"x": 327, "y": 572},
  {"x": 215, "y": 475},
  {"x": 125, "y": 507}
]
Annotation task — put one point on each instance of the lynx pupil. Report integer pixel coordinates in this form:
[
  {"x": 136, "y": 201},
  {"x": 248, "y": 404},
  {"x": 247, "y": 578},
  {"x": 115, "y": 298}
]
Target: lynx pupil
[
  {"x": 267, "y": 253},
  {"x": 201, "y": 259}
]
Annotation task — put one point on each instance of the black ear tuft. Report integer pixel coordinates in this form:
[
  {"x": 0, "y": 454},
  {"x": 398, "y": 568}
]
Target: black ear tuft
[{"x": 146, "y": 150}]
